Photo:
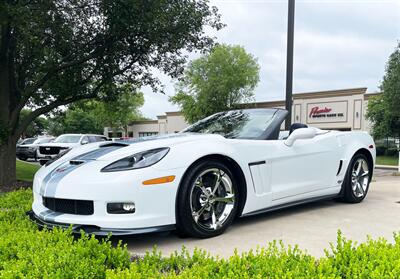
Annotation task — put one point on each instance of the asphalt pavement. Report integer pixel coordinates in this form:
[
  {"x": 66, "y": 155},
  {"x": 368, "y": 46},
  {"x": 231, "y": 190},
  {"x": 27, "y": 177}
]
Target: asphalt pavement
[{"x": 312, "y": 226}]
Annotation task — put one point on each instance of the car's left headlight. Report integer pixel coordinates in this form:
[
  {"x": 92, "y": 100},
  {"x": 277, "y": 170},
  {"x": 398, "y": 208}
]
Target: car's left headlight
[{"x": 137, "y": 161}]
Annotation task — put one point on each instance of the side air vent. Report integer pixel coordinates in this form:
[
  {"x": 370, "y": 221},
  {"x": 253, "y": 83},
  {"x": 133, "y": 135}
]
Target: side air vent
[
  {"x": 76, "y": 162},
  {"x": 340, "y": 167}
]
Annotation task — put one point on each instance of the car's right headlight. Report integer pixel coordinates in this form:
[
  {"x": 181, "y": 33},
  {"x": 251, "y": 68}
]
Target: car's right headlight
[{"x": 137, "y": 161}]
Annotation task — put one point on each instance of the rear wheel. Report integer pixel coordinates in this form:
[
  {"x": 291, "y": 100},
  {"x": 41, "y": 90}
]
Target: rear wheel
[
  {"x": 357, "y": 179},
  {"x": 207, "y": 201}
]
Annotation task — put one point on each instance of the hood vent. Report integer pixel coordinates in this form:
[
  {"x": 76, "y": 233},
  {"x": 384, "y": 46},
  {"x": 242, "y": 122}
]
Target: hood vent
[{"x": 76, "y": 162}]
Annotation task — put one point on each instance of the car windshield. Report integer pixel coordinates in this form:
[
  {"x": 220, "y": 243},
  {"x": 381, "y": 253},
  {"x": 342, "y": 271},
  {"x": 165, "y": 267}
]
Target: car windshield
[
  {"x": 43, "y": 140},
  {"x": 68, "y": 139},
  {"x": 28, "y": 141},
  {"x": 239, "y": 124}
]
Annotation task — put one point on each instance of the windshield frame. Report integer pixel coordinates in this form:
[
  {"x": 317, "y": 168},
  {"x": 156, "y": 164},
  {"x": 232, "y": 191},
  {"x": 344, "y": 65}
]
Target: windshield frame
[
  {"x": 270, "y": 132},
  {"x": 68, "y": 136}
]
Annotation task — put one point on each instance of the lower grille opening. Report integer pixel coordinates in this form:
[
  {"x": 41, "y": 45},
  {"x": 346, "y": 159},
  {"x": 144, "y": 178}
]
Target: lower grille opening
[{"x": 78, "y": 207}]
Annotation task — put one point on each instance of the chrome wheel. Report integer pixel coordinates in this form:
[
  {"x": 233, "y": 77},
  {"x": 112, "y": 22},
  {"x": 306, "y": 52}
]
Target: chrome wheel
[
  {"x": 360, "y": 178},
  {"x": 212, "y": 199}
]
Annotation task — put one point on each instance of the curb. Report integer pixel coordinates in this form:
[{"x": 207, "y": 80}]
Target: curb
[{"x": 386, "y": 167}]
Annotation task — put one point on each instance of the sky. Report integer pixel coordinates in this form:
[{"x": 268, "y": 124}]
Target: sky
[{"x": 337, "y": 44}]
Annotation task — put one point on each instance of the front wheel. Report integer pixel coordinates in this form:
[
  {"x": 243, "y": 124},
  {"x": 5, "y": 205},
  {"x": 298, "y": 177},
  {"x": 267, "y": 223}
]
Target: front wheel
[
  {"x": 208, "y": 200},
  {"x": 357, "y": 179}
]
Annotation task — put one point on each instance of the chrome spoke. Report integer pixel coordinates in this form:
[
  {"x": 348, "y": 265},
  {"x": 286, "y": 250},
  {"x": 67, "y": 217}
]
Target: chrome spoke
[
  {"x": 213, "y": 204},
  {"x": 360, "y": 189},
  {"x": 218, "y": 181},
  {"x": 358, "y": 167},
  {"x": 360, "y": 178},
  {"x": 196, "y": 214},
  {"x": 214, "y": 220},
  {"x": 229, "y": 198},
  {"x": 200, "y": 185}
]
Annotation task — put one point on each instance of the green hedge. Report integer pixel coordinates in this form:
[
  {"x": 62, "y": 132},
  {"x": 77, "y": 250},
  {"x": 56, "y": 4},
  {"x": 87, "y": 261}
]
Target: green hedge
[{"x": 27, "y": 252}]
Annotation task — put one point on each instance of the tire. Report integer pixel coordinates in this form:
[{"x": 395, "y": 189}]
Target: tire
[
  {"x": 215, "y": 211},
  {"x": 356, "y": 181}
]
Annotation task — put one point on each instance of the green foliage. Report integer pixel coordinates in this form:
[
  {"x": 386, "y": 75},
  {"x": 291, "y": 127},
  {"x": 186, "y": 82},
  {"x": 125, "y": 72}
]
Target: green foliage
[
  {"x": 387, "y": 160},
  {"x": 28, "y": 252},
  {"x": 26, "y": 171},
  {"x": 383, "y": 110},
  {"x": 37, "y": 127},
  {"x": 118, "y": 112},
  {"x": 220, "y": 80},
  {"x": 92, "y": 116},
  {"x": 54, "y": 53},
  {"x": 75, "y": 120},
  {"x": 372, "y": 259}
]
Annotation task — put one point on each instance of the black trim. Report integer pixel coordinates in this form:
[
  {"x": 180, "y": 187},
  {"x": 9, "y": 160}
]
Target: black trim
[
  {"x": 272, "y": 131},
  {"x": 290, "y": 204},
  {"x": 340, "y": 167},
  {"x": 256, "y": 163},
  {"x": 87, "y": 229}
]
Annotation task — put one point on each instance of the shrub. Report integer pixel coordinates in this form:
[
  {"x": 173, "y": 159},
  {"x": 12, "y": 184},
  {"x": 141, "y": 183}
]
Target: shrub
[
  {"x": 380, "y": 151},
  {"x": 26, "y": 251},
  {"x": 392, "y": 152}
]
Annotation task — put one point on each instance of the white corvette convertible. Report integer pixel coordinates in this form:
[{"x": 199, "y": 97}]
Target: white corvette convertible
[{"x": 228, "y": 165}]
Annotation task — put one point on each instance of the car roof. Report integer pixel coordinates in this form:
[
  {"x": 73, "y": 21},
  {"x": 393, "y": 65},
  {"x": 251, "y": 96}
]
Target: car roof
[{"x": 82, "y": 135}]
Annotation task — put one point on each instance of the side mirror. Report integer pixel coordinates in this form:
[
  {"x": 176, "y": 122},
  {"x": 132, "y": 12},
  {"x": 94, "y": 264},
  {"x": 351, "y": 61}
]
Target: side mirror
[
  {"x": 301, "y": 133},
  {"x": 84, "y": 142}
]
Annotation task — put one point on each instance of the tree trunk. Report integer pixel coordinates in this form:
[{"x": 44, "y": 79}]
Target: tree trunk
[{"x": 7, "y": 165}]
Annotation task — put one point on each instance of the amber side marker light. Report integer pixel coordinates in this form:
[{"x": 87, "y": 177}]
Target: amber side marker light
[{"x": 159, "y": 180}]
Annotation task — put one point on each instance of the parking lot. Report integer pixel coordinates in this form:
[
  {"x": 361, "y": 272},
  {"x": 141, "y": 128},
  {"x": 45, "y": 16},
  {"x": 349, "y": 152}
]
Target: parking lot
[{"x": 311, "y": 226}]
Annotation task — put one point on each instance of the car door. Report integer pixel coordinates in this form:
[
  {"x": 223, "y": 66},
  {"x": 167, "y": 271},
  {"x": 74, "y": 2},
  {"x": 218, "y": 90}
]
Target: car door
[{"x": 306, "y": 167}]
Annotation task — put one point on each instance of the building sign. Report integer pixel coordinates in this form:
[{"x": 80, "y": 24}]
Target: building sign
[{"x": 327, "y": 112}]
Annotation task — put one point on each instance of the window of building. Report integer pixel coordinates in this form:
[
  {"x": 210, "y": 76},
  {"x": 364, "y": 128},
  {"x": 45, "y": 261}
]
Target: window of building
[
  {"x": 130, "y": 134},
  {"x": 147, "y": 134}
]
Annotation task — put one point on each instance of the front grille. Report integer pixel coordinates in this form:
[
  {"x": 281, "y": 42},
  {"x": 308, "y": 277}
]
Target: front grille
[
  {"x": 79, "y": 207},
  {"x": 49, "y": 150}
]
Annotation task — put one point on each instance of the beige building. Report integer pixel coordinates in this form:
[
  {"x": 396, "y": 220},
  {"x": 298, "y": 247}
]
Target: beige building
[{"x": 335, "y": 109}]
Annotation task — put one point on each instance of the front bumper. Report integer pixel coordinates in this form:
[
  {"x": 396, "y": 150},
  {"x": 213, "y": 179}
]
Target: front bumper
[
  {"x": 77, "y": 229},
  {"x": 28, "y": 153},
  {"x": 154, "y": 204}
]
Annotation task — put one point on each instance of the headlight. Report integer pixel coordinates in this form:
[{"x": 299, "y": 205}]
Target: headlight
[{"x": 139, "y": 160}]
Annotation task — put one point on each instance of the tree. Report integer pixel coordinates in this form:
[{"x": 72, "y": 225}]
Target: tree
[
  {"x": 37, "y": 127},
  {"x": 53, "y": 53},
  {"x": 121, "y": 111},
  {"x": 383, "y": 110},
  {"x": 91, "y": 116},
  {"x": 217, "y": 81},
  {"x": 75, "y": 120}
]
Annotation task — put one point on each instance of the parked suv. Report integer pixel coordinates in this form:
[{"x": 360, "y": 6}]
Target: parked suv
[
  {"x": 28, "y": 148},
  {"x": 64, "y": 142}
]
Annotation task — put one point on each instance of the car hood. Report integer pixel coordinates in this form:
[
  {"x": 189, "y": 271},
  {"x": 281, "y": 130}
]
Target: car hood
[
  {"x": 27, "y": 145},
  {"x": 59, "y": 144},
  {"x": 110, "y": 151}
]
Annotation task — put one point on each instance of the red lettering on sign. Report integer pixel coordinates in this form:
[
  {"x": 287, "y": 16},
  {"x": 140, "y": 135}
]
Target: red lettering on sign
[{"x": 317, "y": 110}]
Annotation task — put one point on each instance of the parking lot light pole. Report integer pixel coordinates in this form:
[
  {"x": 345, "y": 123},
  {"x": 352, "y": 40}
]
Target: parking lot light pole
[{"x": 289, "y": 64}]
